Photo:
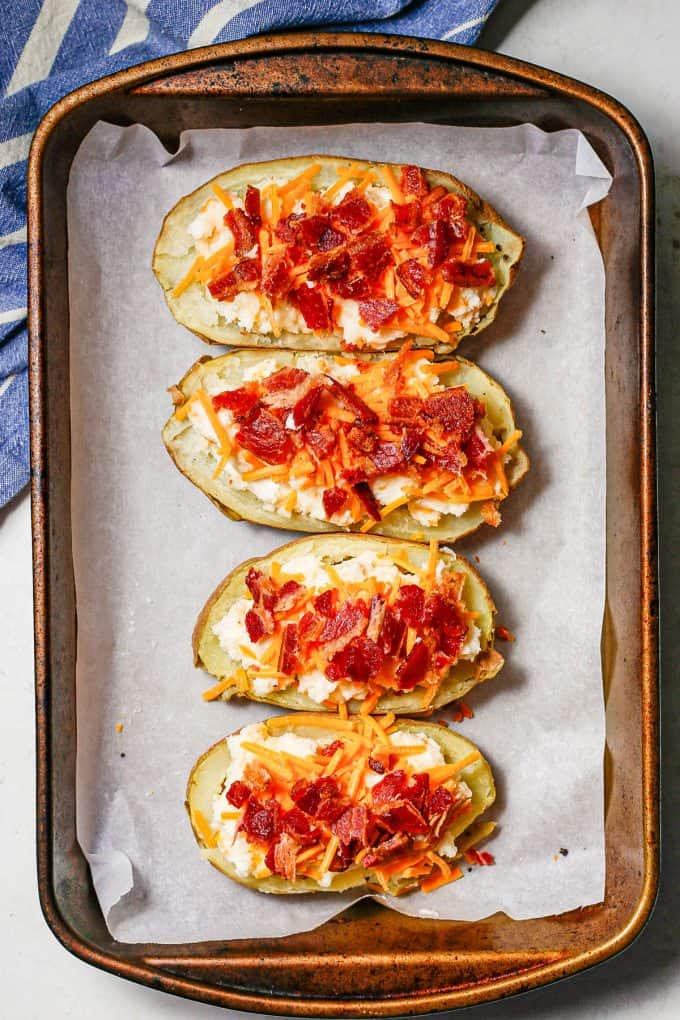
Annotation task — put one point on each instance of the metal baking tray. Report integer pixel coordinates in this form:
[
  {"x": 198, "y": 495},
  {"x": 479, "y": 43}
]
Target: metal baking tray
[{"x": 369, "y": 961}]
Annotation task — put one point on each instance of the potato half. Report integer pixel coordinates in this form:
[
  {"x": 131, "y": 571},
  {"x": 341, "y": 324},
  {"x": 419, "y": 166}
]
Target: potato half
[
  {"x": 207, "y": 776},
  {"x": 191, "y": 455},
  {"x": 175, "y": 252},
  {"x": 333, "y": 549}
]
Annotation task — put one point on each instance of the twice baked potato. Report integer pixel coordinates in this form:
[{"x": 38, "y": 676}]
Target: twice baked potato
[
  {"x": 323, "y": 253},
  {"x": 400, "y": 445},
  {"x": 302, "y": 803},
  {"x": 349, "y": 622}
]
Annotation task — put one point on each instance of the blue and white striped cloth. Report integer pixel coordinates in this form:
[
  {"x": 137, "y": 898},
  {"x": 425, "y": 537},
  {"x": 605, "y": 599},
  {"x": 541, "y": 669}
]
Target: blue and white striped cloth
[{"x": 51, "y": 47}]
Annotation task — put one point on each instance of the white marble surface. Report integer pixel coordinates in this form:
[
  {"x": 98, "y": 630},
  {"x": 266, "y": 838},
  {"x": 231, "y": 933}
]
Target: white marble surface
[{"x": 627, "y": 48}]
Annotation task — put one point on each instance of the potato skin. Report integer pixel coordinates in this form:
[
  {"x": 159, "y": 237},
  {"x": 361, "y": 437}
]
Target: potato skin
[
  {"x": 463, "y": 676},
  {"x": 198, "y": 468},
  {"x": 206, "y": 775},
  {"x": 170, "y": 263}
]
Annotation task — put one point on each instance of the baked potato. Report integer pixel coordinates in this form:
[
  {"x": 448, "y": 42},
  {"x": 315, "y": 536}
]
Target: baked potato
[
  {"x": 322, "y": 253},
  {"x": 349, "y": 622},
  {"x": 400, "y": 445},
  {"x": 296, "y": 805}
]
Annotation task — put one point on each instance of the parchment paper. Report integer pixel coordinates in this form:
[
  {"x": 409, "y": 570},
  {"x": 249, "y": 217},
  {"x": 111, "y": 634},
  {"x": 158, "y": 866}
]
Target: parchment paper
[{"x": 149, "y": 547}]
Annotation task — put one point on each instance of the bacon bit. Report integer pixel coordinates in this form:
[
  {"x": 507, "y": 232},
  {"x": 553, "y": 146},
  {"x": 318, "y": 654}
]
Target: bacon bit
[
  {"x": 238, "y": 794},
  {"x": 504, "y": 634},
  {"x": 328, "y": 750},
  {"x": 288, "y": 654},
  {"x": 353, "y": 212},
  {"x": 466, "y": 710},
  {"x": 262, "y": 822},
  {"x": 276, "y": 278},
  {"x": 281, "y": 857},
  {"x": 469, "y": 274},
  {"x": 408, "y": 216},
  {"x": 243, "y": 229},
  {"x": 480, "y": 857},
  {"x": 252, "y": 205},
  {"x": 377, "y": 312},
  {"x": 414, "y": 276},
  {"x": 314, "y": 307},
  {"x": 329, "y": 267},
  {"x": 365, "y": 494},
  {"x": 413, "y": 182},
  {"x": 455, "y": 409},
  {"x": 334, "y": 500},
  {"x": 348, "y": 397},
  {"x": 240, "y": 401},
  {"x": 361, "y": 659},
  {"x": 244, "y": 276},
  {"x": 437, "y": 242},
  {"x": 491, "y": 514},
  {"x": 255, "y": 626},
  {"x": 414, "y": 668},
  {"x": 265, "y": 436}
]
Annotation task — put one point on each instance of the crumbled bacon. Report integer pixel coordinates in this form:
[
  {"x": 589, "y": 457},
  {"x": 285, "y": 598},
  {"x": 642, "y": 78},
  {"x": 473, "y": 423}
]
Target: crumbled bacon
[
  {"x": 478, "y": 449},
  {"x": 407, "y": 216},
  {"x": 402, "y": 816},
  {"x": 243, "y": 229},
  {"x": 296, "y": 824},
  {"x": 252, "y": 205},
  {"x": 450, "y": 458},
  {"x": 414, "y": 668},
  {"x": 365, "y": 494},
  {"x": 309, "y": 628},
  {"x": 352, "y": 213},
  {"x": 390, "y": 788},
  {"x": 305, "y": 409},
  {"x": 286, "y": 229},
  {"x": 348, "y": 623},
  {"x": 413, "y": 182},
  {"x": 376, "y": 766},
  {"x": 439, "y": 802},
  {"x": 354, "y": 827},
  {"x": 376, "y": 617},
  {"x": 454, "y": 408},
  {"x": 244, "y": 276},
  {"x": 410, "y": 604},
  {"x": 286, "y": 379},
  {"x": 377, "y": 312},
  {"x": 404, "y": 408},
  {"x": 437, "y": 242},
  {"x": 238, "y": 793},
  {"x": 334, "y": 500},
  {"x": 448, "y": 625},
  {"x": 480, "y": 857},
  {"x": 414, "y": 276},
  {"x": 452, "y": 208},
  {"x": 325, "y": 602},
  {"x": 346, "y": 395},
  {"x": 387, "y": 457},
  {"x": 320, "y": 441},
  {"x": 329, "y": 267},
  {"x": 255, "y": 626},
  {"x": 314, "y": 797},
  {"x": 370, "y": 256},
  {"x": 290, "y": 647},
  {"x": 261, "y": 822},
  {"x": 328, "y": 750},
  {"x": 359, "y": 660},
  {"x": 281, "y": 857},
  {"x": 240, "y": 401},
  {"x": 311, "y": 229},
  {"x": 356, "y": 288},
  {"x": 276, "y": 279},
  {"x": 469, "y": 274},
  {"x": 393, "y": 633},
  {"x": 265, "y": 436},
  {"x": 314, "y": 307},
  {"x": 288, "y": 595},
  {"x": 385, "y": 849}
]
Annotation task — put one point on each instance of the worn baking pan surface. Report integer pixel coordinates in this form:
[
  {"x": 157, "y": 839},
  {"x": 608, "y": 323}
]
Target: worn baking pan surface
[{"x": 367, "y": 961}]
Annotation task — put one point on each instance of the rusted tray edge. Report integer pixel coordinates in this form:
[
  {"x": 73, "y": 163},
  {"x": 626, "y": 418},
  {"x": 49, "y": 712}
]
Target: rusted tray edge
[{"x": 496, "y": 988}]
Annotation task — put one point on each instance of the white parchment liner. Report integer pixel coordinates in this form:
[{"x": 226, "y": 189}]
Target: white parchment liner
[{"x": 149, "y": 547}]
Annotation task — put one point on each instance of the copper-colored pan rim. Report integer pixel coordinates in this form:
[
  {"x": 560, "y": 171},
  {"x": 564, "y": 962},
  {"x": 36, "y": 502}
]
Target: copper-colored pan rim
[{"x": 499, "y": 987}]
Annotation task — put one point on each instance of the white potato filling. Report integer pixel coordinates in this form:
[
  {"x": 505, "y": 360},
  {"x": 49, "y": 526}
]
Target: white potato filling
[
  {"x": 247, "y": 858},
  {"x": 274, "y": 493},
  {"x": 232, "y": 634},
  {"x": 209, "y": 233}
]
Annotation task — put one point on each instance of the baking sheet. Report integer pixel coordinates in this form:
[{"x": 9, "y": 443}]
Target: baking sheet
[{"x": 149, "y": 547}]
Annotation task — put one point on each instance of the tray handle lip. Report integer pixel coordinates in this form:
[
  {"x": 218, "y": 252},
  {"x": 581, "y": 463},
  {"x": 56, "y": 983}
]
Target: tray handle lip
[{"x": 360, "y": 42}]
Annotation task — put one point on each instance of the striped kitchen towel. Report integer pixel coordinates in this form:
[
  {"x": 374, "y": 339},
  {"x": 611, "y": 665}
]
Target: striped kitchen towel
[{"x": 51, "y": 47}]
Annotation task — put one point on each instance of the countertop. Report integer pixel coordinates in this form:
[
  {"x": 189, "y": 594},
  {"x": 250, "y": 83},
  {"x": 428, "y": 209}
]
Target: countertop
[{"x": 628, "y": 49}]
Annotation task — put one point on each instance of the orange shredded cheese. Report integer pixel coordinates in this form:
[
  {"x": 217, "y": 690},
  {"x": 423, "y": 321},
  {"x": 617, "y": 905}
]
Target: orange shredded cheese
[
  {"x": 218, "y": 428},
  {"x": 189, "y": 278},
  {"x": 204, "y": 830},
  {"x": 390, "y": 181},
  {"x": 214, "y": 692},
  {"x": 222, "y": 195}
]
